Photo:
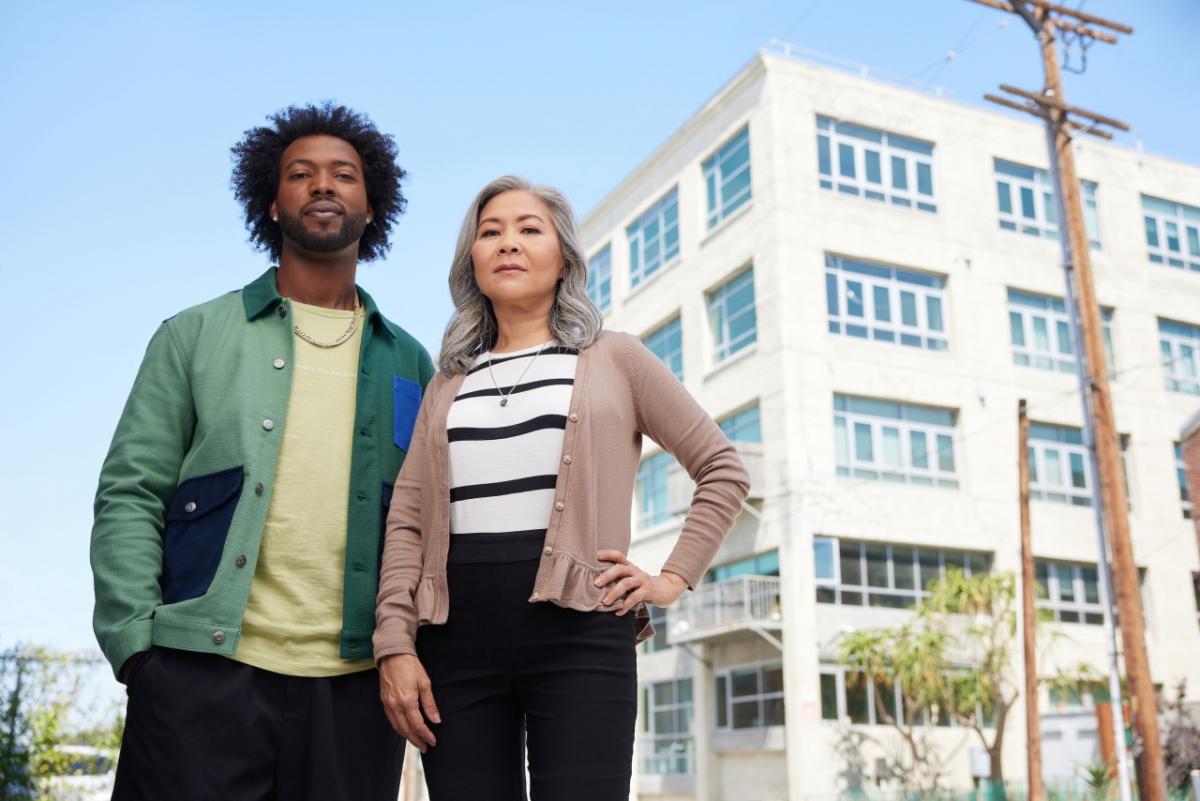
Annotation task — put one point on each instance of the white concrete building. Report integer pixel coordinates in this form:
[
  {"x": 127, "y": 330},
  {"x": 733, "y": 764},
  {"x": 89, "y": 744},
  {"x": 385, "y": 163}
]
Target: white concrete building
[{"x": 859, "y": 281}]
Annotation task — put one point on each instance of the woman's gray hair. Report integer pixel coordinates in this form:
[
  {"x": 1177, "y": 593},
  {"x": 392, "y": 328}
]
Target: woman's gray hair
[{"x": 574, "y": 319}]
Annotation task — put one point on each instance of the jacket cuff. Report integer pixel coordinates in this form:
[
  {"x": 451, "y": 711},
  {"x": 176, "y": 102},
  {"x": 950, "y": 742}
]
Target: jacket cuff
[{"x": 133, "y": 638}]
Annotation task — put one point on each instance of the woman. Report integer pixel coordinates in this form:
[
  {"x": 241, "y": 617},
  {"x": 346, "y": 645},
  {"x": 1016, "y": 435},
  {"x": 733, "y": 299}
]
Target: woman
[{"x": 504, "y": 587}]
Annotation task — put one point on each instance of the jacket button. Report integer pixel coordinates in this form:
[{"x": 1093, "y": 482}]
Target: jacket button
[
  {"x": 547, "y": 550},
  {"x": 567, "y": 459},
  {"x": 258, "y": 488},
  {"x": 268, "y": 424},
  {"x": 574, "y": 418},
  {"x": 278, "y": 364},
  {"x": 241, "y": 560},
  {"x": 218, "y": 637},
  {"x": 559, "y": 506},
  {"x": 282, "y": 310},
  {"x": 189, "y": 507}
]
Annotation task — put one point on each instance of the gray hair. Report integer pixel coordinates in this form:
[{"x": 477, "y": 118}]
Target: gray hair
[{"x": 574, "y": 320}]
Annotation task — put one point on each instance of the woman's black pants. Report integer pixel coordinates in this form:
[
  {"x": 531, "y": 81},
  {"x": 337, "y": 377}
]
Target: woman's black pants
[{"x": 507, "y": 672}]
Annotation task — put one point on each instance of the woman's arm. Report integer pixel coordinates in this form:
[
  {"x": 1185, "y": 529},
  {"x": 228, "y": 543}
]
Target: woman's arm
[{"x": 668, "y": 414}]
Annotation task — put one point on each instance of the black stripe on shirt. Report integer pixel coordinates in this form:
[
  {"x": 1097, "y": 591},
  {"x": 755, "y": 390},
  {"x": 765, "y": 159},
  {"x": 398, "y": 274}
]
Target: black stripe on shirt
[
  {"x": 463, "y": 433},
  {"x": 527, "y": 484},
  {"x": 549, "y": 382},
  {"x": 557, "y": 350}
]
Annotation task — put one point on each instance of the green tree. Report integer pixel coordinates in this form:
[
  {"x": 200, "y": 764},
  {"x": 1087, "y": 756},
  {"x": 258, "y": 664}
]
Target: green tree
[{"x": 952, "y": 660}]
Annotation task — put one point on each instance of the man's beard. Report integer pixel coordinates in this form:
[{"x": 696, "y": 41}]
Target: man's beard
[{"x": 350, "y": 232}]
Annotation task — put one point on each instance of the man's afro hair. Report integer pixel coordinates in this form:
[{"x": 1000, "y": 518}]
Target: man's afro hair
[{"x": 257, "y": 162}]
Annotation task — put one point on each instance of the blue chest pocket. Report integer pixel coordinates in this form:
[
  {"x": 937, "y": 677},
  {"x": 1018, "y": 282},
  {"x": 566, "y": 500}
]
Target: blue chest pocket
[{"x": 406, "y": 401}]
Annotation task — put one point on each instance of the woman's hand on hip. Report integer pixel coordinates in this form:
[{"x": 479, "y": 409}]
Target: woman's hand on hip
[
  {"x": 405, "y": 690},
  {"x": 626, "y": 580}
]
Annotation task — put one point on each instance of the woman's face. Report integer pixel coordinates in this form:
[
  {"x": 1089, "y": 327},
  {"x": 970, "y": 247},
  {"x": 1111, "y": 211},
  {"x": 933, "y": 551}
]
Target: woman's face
[{"x": 517, "y": 256}]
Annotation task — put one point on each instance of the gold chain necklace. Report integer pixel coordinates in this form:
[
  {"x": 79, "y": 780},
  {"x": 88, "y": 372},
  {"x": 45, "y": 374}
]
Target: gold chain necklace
[{"x": 349, "y": 332}]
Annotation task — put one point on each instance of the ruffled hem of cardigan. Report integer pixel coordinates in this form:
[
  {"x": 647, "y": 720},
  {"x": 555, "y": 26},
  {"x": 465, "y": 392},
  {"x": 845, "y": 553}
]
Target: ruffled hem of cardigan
[{"x": 564, "y": 581}]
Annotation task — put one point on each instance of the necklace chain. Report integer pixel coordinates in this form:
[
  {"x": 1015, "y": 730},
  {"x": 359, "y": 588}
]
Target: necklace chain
[
  {"x": 349, "y": 332},
  {"x": 504, "y": 396}
]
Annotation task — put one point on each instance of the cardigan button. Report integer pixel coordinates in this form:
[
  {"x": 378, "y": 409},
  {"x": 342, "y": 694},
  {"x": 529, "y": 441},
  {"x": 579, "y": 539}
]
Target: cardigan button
[
  {"x": 567, "y": 459},
  {"x": 547, "y": 550},
  {"x": 559, "y": 506},
  {"x": 574, "y": 418}
]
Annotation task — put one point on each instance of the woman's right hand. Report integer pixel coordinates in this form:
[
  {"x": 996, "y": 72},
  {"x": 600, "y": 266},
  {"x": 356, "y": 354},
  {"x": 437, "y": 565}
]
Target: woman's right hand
[{"x": 405, "y": 690}]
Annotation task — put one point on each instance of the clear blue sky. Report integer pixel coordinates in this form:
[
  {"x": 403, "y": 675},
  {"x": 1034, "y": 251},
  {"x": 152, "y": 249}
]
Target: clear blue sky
[{"x": 117, "y": 211}]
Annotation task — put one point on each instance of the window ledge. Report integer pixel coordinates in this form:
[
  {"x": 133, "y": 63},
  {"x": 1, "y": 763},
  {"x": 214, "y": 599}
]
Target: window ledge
[
  {"x": 740, "y": 356},
  {"x": 713, "y": 232},
  {"x": 733, "y": 741}
]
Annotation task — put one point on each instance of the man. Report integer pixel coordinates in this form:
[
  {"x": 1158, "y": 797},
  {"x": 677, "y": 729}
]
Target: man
[{"x": 240, "y": 508}]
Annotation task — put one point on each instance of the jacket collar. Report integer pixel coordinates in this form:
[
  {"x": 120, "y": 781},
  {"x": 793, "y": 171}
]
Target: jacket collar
[{"x": 261, "y": 297}]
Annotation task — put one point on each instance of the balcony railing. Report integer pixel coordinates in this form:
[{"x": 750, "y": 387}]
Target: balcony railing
[
  {"x": 680, "y": 486},
  {"x": 715, "y": 611}
]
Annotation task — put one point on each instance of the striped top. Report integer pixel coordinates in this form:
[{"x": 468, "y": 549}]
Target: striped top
[{"x": 504, "y": 459}]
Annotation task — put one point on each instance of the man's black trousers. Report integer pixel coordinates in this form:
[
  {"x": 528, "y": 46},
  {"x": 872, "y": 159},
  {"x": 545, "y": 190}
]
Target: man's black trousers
[
  {"x": 509, "y": 674},
  {"x": 202, "y": 726}
]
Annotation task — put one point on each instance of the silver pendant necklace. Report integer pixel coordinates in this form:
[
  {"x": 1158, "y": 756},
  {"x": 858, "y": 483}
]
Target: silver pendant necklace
[{"x": 504, "y": 396}]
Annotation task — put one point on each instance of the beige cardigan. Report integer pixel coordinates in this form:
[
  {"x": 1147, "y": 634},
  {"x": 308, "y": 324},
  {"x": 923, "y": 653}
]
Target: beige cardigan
[{"x": 621, "y": 392}]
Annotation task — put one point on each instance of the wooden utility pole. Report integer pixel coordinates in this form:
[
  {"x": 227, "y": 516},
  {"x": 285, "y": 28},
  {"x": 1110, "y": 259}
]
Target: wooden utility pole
[
  {"x": 1033, "y": 717},
  {"x": 1047, "y": 20}
]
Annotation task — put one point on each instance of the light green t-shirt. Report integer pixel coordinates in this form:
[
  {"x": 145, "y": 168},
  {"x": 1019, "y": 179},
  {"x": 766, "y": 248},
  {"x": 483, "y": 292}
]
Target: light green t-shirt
[{"x": 293, "y": 617}]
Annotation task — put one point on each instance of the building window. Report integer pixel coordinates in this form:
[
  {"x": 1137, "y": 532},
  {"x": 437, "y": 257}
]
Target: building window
[
  {"x": 750, "y": 697},
  {"x": 1181, "y": 471},
  {"x": 1058, "y": 465},
  {"x": 743, "y": 426},
  {"x": 666, "y": 342},
  {"x": 853, "y": 573},
  {"x": 1077, "y": 698},
  {"x": 658, "y": 619},
  {"x": 652, "y": 493},
  {"x": 1069, "y": 592},
  {"x": 1196, "y": 593},
  {"x": 1026, "y": 199},
  {"x": 727, "y": 177},
  {"x": 599, "y": 282},
  {"x": 1172, "y": 233},
  {"x": 885, "y": 304},
  {"x": 1179, "y": 344},
  {"x": 763, "y": 564},
  {"x": 849, "y": 696},
  {"x": 1040, "y": 328},
  {"x": 667, "y": 727},
  {"x": 889, "y": 441},
  {"x": 878, "y": 165},
  {"x": 731, "y": 315},
  {"x": 654, "y": 238}
]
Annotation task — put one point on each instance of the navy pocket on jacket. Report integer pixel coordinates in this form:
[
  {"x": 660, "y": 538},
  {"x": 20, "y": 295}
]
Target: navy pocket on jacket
[
  {"x": 406, "y": 401},
  {"x": 197, "y": 526}
]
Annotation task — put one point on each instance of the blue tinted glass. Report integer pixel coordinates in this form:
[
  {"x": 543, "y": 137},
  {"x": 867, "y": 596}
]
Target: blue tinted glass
[
  {"x": 846, "y": 160},
  {"x": 899, "y": 173},
  {"x": 831, "y": 293},
  {"x": 1015, "y": 170},
  {"x": 859, "y": 131},
  {"x": 824, "y": 162},
  {"x": 905, "y": 143},
  {"x": 874, "y": 171},
  {"x": 924, "y": 179},
  {"x": 1004, "y": 196}
]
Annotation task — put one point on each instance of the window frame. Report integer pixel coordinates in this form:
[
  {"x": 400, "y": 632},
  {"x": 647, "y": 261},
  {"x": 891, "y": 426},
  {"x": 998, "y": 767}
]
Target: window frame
[
  {"x": 1050, "y": 593},
  {"x": 648, "y": 518},
  {"x": 717, "y": 208},
  {"x": 1185, "y": 502},
  {"x": 1053, "y": 309},
  {"x": 1172, "y": 345},
  {"x": 599, "y": 278},
  {"x": 724, "y": 721},
  {"x": 1185, "y": 219},
  {"x": 662, "y": 335},
  {"x": 905, "y": 472},
  {"x": 748, "y": 417},
  {"x": 663, "y": 213},
  {"x": 830, "y": 590},
  {"x": 650, "y": 737},
  {"x": 842, "y": 271},
  {"x": 1037, "y": 182},
  {"x": 720, "y": 318},
  {"x": 833, "y": 135}
]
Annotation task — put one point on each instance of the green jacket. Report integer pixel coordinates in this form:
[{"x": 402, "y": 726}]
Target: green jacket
[{"x": 185, "y": 488}]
